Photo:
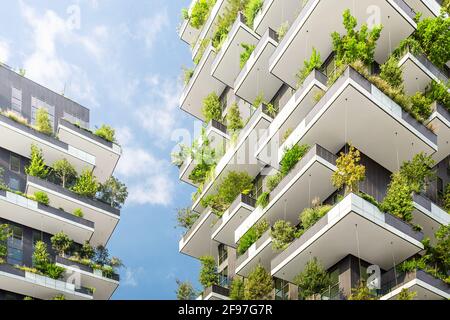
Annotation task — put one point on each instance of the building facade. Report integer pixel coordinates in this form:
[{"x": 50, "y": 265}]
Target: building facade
[
  {"x": 262, "y": 97},
  {"x": 38, "y": 207}
]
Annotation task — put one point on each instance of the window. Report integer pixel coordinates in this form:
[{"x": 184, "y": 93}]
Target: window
[
  {"x": 223, "y": 278},
  {"x": 257, "y": 186},
  {"x": 440, "y": 189},
  {"x": 37, "y": 236},
  {"x": 15, "y": 246},
  {"x": 76, "y": 120},
  {"x": 333, "y": 292},
  {"x": 36, "y": 104},
  {"x": 223, "y": 253},
  {"x": 16, "y": 100},
  {"x": 281, "y": 289},
  {"x": 14, "y": 184},
  {"x": 14, "y": 163}
]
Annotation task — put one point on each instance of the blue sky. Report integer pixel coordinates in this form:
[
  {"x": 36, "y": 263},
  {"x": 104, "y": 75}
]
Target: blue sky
[{"x": 122, "y": 60}]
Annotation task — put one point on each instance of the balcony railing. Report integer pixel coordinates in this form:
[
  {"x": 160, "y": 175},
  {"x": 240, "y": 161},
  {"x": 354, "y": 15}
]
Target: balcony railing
[
  {"x": 216, "y": 289},
  {"x": 86, "y": 268}
]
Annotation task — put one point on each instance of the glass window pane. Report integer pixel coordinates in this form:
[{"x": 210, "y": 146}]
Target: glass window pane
[{"x": 14, "y": 163}]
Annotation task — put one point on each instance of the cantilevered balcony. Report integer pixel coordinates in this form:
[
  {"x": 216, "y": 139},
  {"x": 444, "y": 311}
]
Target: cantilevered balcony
[
  {"x": 310, "y": 178},
  {"x": 186, "y": 32},
  {"x": 255, "y": 79},
  {"x": 440, "y": 123},
  {"x": 226, "y": 66},
  {"x": 429, "y": 216},
  {"x": 428, "y": 8},
  {"x": 105, "y": 286},
  {"x": 215, "y": 293},
  {"x": 418, "y": 72},
  {"x": 423, "y": 284},
  {"x": 223, "y": 230},
  {"x": 209, "y": 27},
  {"x": 311, "y": 30},
  {"x": 200, "y": 85},
  {"x": 355, "y": 110},
  {"x": 290, "y": 116},
  {"x": 217, "y": 134},
  {"x": 261, "y": 252},
  {"x": 104, "y": 217},
  {"x": 37, "y": 286},
  {"x": 240, "y": 154},
  {"x": 353, "y": 226},
  {"x": 32, "y": 214},
  {"x": 19, "y": 138},
  {"x": 106, "y": 153},
  {"x": 274, "y": 13},
  {"x": 197, "y": 240}
]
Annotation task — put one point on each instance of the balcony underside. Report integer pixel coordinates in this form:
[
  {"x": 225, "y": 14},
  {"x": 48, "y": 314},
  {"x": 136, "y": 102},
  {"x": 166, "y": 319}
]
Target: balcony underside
[
  {"x": 429, "y": 8},
  {"x": 255, "y": 79},
  {"x": 200, "y": 85},
  {"x": 106, "y": 154},
  {"x": 276, "y": 12},
  {"x": 226, "y": 66},
  {"x": 380, "y": 236},
  {"x": 429, "y": 216},
  {"x": 47, "y": 219},
  {"x": 260, "y": 252},
  {"x": 188, "y": 33},
  {"x": 312, "y": 30},
  {"x": 348, "y": 112},
  {"x": 440, "y": 121},
  {"x": 105, "y": 218}
]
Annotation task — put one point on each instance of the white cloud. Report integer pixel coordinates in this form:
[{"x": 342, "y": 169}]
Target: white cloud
[
  {"x": 4, "y": 51},
  {"x": 132, "y": 276},
  {"x": 150, "y": 28}
]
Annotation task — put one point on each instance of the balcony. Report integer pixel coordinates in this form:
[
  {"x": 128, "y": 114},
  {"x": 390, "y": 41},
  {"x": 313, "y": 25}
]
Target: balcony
[
  {"x": 429, "y": 8},
  {"x": 30, "y": 213},
  {"x": 425, "y": 285},
  {"x": 106, "y": 153},
  {"x": 261, "y": 252},
  {"x": 216, "y": 293},
  {"x": 240, "y": 209},
  {"x": 91, "y": 278},
  {"x": 310, "y": 178},
  {"x": 255, "y": 79},
  {"x": 37, "y": 286},
  {"x": 209, "y": 26},
  {"x": 200, "y": 85},
  {"x": 239, "y": 155},
  {"x": 197, "y": 240},
  {"x": 428, "y": 215},
  {"x": 380, "y": 237},
  {"x": 290, "y": 116},
  {"x": 218, "y": 136},
  {"x": 19, "y": 138},
  {"x": 186, "y": 32},
  {"x": 346, "y": 111},
  {"x": 276, "y": 12},
  {"x": 104, "y": 217},
  {"x": 226, "y": 66},
  {"x": 297, "y": 44},
  {"x": 418, "y": 72},
  {"x": 440, "y": 121}
]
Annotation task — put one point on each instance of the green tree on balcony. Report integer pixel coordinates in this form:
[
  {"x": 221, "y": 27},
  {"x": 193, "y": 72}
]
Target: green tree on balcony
[
  {"x": 349, "y": 171},
  {"x": 5, "y": 233},
  {"x": 64, "y": 172},
  {"x": 237, "y": 289},
  {"x": 313, "y": 280},
  {"x": 37, "y": 167},
  {"x": 86, "y": 184},
  {"x": 43, "y": 123},
  {"x": 185, "y": 291},
  {"x": 61, "y": 243},
  {"x": 208, "y": 272},
  {"x": 259, "y": 284},
  {"x": 113, "y": 192}
]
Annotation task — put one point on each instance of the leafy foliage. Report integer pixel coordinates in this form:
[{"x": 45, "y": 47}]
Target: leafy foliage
[
  {"x": 392, "y": 73},
  {"x": 263, "y": 200},
  {"x": 237, "y": 289},
  {"x": 418, "y": 172},
  {"x": 282, "y": 233},
  {"x": 208, "y": 272},
  {"x": 64, "y": 171},
  {"x": 252, "y": 235},
  {"x": 259, "y": 284},
  {"x": 234, "y": 120},
  {"x": 349, "y": 171},
  {"x": 61, "y": 243},
  {"x": 186, "y": 218},
  {"x": 446, "y": 198},
  {"x": 313, "y": 280},
  {"x": 113, "y": 192},
  {"x": 309, "y": 216},
  {"x": 187, "y": 75},
  {"x": 226, "y": 20},
  {"x": 246, "y": 53},
  {"x": 398, "y": 200},
  {"x": 421, "y": 105},
  {"x": 106, "y": 132},
  {"x": 405, "y": 294},
  {"x": 200, "y": 13},
  {"x": 251, "y": 10},
  {"x": 291, "y": 157},
  {"x": 437, "y": 91},
  {"x": 282, "y": 30},
  {"x": 361, "y": 292},
  {"x": 43, "y": 123},
  {"x": 273, "y": 181},
  {"x": 86, "y": 184},
  {"x": 185, "y": 291},
  {"x": 86, "y": 251},
  {"x": 42, "y": 197},
  {"x": 41, "y": 260},
  {"x": 37, "y": 167},
  {"x": 314, "y": 62},
  {"x": 78, "y": 213},
  {"x": 355, "y": 45},
  {"x": 212, "y": 108},
  {"x": 5, "y": 233}
]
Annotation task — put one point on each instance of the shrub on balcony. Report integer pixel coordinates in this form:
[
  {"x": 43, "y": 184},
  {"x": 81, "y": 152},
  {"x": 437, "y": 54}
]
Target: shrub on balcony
[
  {"x": 361, "y": 292},
  {"x": 16, "y": 117},
  {"x": 437, "y": 91},
  {"x": 282, "y": 233},
  {"x": 263, "y": 200},
  {"x": 291, "y": 157},
  {"x": 237, "y": 289},
  {"x": 86, "y": 184},
  {"x": 405, "y": 294},
  {"x": 86, "y": 251},
  {"x": 186, "y": 218},
  {"x": 392, "y": 73},
  {"x": 234, "y": 120},
  {"x": 208, "y": 272},
  {"x": 43, "y": 123},
  {"x": 355, "y": 45},
  {"x": 64, "y": 172},
  {"x": 37, "y": 167},
  {"x": 59, "y": 297},
  {"x": 5, "y": 233},
  {"x": 314, "y": 62},
  {"x": 259, "y": 284},
  {"x": 185, "y": 291},
  {"x": 446, "y": 198},
  {"x": 201, "y": 50},
  {"x": 252, "y": 235},
  {"x": 349, "y": 171},
  {"x": 106, "y": 132},
  {"x": 313, "y": 280},
  {"x": 113, "y": 192},
  {"x": 200, "y": 13},
  {"x": 246, "y": 53},
  {"x": 398, "y": 200},
  {"x": 227, "y": 190},
  {"x": 42, "y": 198},
  {"x": 282, "y": 30},
  {"x": 78, "y": 213},
  {"x": 61, "y": 243},
  {"x": 309, "y": 216},
  {"x": 187, "y": 75},
  {"x": 41, "y": 260},
  {"x": 251, "y": 10},
  {"x": 212, "y": 109},
  {"x": 446, "y": 6},
  {"x": 273, "y": 181},
  {"x": 421, "y": 105},
  {"x": 225, "y": 22},
  {"x": 418, "y": 171}
]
